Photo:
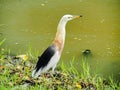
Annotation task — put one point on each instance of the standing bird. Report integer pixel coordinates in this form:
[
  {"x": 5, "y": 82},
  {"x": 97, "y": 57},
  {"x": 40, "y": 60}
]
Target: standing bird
[{"x": 51, "y": 55}]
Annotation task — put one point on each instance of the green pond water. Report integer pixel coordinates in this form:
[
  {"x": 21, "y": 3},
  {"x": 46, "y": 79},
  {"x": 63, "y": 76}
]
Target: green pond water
[{"x": 34, "y": 22}]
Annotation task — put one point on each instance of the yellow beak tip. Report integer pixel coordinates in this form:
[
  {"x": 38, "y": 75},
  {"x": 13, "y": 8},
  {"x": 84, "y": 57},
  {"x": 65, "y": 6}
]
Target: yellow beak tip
[
  {"x": 78, "y": 16},
  {"x": 81, "y": 16}
]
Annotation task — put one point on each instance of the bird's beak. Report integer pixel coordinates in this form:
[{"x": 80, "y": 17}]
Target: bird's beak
[{"x": 77, "y": 16}]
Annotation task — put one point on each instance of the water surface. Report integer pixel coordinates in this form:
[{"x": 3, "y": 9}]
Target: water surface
[{"x": 24, "y": 22}]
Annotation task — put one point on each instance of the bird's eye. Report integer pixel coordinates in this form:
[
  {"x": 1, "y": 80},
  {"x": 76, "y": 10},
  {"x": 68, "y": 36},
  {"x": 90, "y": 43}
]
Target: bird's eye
[{"x": 69, "y": 17}]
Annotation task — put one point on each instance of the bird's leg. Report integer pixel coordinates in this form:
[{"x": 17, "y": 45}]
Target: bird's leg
[{"x": 53, "y": 68}]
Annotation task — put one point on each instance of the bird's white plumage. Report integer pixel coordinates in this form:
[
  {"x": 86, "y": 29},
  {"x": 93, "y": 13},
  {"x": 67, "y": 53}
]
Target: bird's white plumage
[{"x": 52, "y": 64}]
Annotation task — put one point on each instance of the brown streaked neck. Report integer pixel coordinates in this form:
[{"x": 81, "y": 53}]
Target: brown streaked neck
[{"x": 60, "y": 35}]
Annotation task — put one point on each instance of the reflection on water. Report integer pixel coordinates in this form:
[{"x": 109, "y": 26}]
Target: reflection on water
[{"x": 24, "y": 22}]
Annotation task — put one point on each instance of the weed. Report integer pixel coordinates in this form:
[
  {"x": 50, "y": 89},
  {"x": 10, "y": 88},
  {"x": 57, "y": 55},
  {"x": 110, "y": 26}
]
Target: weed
[{"x": 15, "y": 74}]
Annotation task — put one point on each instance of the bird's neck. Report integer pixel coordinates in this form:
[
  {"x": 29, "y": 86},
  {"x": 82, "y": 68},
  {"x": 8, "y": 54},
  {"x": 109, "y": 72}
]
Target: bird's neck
[{"x": 60, "y": 36}]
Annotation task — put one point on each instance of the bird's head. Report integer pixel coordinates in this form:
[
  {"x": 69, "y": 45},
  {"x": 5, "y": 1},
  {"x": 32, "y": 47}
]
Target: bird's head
[
  {"x": 69, "y": 17},
  {"x": 65, "y": 19}
]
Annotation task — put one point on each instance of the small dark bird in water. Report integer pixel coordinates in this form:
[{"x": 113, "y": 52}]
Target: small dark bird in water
[
  {"x": 51, "y": 55},
  {"x": 87, "y": 52}
]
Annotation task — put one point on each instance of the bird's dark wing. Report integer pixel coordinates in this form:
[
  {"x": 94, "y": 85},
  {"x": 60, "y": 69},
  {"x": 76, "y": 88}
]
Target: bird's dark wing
[{"x": 44, "y": 59}]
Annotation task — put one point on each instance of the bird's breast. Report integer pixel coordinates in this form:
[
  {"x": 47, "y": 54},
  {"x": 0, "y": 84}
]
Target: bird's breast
[{"x": 59, "y": 44}]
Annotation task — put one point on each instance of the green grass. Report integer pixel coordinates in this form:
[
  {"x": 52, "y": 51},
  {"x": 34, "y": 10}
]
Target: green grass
[
  {"x": 2, "y": 41},
  {"x": 15, "y": 74}
]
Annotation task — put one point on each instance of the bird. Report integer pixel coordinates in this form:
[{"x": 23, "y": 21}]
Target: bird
[
  {"x": 86, "y": 52},
  {"x": 50, "y": 57}
]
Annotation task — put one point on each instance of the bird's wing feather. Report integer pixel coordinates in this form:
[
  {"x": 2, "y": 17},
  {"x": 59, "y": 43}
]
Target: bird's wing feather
[{"x": 44, "y": 59}]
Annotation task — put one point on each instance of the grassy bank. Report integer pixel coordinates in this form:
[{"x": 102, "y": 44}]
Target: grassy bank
[{"x": 15, "y": 74}]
